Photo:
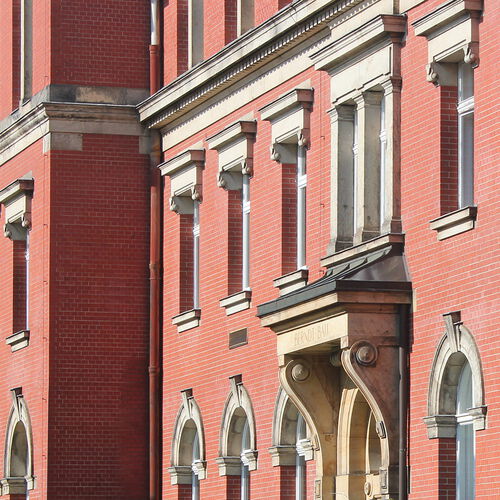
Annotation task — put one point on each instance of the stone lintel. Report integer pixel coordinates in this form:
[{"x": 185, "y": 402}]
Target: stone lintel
[
  {"x": 445, "y": 14},
  {"x": 246, "y": 128},
  {"x": 358, "y": 40},
  {"x": 296, "y": 98}
]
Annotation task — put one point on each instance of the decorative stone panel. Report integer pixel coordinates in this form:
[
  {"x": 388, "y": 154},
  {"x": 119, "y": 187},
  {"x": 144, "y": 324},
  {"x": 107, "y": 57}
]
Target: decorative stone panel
[{"x": 16, "y": 202}]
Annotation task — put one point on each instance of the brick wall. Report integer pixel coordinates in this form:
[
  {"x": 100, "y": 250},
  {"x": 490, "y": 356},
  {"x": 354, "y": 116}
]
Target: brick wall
[
  {"x": 453, "y": 274},
  {"x": 99, "y": 321}
]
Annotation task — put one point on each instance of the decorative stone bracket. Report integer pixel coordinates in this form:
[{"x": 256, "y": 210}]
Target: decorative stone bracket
[
  {"x": 452, "y": 32},
  {"x": 186, "y": 178},
  {"x": 16, "y": 201},
  {"x": 290, "y": 123},
  {"x": 235, "y": 147}
]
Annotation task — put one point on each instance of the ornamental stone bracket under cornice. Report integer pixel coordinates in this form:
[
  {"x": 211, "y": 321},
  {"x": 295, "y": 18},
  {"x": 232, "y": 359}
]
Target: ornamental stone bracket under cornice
[
  {"x": 15, "y": 200},
  {"x": 186, "y": 179},
  {"x": 234, "y": 145},
  {"x": 290, "y": 123},
  {"x": 452, "y": 32}
]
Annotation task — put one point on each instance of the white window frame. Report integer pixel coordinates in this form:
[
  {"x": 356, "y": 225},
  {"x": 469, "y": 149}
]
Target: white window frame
[{"x": 465, "y": 110}]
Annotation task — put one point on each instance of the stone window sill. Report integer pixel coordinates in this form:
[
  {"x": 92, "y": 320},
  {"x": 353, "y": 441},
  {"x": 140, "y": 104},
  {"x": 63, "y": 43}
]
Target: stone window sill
[
  {"x": 236, "y": 302},
  {"x": 291, "y": 281},
  {"x": 454, "y": 223},
  {"x": 365, "y": 247},
  {"x": 187, "y": 320},
  {"x": 18, "y": 340}
]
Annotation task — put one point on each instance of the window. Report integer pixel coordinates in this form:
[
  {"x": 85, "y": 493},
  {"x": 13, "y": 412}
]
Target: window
[
  {"x": 466, "y": 452},
  {"x": 185, "y": 173},
  {"x": 465, "y": 109},
  {"x": 290, "y": 124},
  {"x": 195, "y": 32},
  {"x": 456, "y": 408},
  {"x": 26, "y": 49},
  {"x": 245, "y": 16},
  {"x": 18, "y": 457},
  {"x": 452, "y": 33},
  {"x": 235, "y": 147},
  {"x": 237, "y": 454},
  {"x": 16, "y": 202},
  {"x": 365, "y": 95},
  {"x": 292, "y": 448},
  {"x": 188, "y": 448}
]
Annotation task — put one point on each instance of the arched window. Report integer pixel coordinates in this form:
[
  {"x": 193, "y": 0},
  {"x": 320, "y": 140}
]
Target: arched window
[
  {"x": 18, "y": 456},
  {"x": 238, "y": 454},
  {"x": 292, "y": 447},
  {"x": 466, "y": 453},
  {"x": 188, "y": 448},
  {"x": 456, "y": 406}
]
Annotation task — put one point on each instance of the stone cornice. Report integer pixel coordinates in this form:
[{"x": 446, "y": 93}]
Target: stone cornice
[
  {"x": 444, "y": 15},
  {"x": 48, "y": 117},
  {"x": 233, "y": 62},
  {"x": 366, "y": 35}
]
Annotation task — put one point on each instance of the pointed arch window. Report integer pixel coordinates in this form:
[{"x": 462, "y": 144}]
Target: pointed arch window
[
  {"x": 238, "y": 454},
  {"x": 292, "y": 447},
  {"x": 18, "y": 454},
  {"x": 456, "y": 407},
  {"x": 188, "y": 448}
]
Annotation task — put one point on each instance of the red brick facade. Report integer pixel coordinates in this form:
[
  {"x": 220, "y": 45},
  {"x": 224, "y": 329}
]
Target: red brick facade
[{"x": 85, "y": 136}]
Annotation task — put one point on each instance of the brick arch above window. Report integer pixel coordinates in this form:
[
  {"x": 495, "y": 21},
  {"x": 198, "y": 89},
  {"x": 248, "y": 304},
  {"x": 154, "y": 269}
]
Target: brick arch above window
[{"x": 456, "y": 347}]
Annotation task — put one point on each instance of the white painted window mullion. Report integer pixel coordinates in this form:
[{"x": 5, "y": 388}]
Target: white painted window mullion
[
  {"x": 245, "y": 195},
  {"x": 196, "y": 254},
  {"x": 27, "y": 289},
  {"x": 301, "y": 207}
]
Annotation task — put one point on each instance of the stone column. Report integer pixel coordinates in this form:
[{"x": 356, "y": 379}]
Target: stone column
[
  {"x": 367, "y": 173},
  {"x": 342, "y": 178}
]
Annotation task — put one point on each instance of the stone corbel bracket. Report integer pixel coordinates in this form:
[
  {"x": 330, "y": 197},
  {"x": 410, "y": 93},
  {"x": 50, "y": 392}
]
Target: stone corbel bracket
[
  {"x": 16, "y": 202},
  {"x": 312, "y": 385},
  {"x": 452, "y": 32},
  {"x": 186, "y": 179},
  {"x": 373, "y": 366},
  {"x": 290, "y": 123},
  {"x": 235, "y": 147}
]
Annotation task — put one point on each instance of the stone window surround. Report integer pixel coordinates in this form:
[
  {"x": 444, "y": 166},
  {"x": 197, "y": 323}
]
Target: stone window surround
[
  {"x": 19, "y": 413},
  {"x": 452, "y": 32},
  {"x": 186, "y": 179},
  {"x": 441, "y": 420},
  {"x": 234, "y": 145},
  {"x": 230, "y": 465},
  {"x": 376, "y": 46},
  {"x": 284, "y": 449},
  {"x": 16, "y": 201},
  {"x": 182, "y": 473},
  {"x": 290, "y": 125}
]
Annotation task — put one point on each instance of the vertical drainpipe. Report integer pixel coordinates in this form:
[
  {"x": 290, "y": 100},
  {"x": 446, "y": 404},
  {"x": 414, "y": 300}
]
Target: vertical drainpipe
[
  {"x": 403, "y": 401},
  {"x": 154, "y": 268}
]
